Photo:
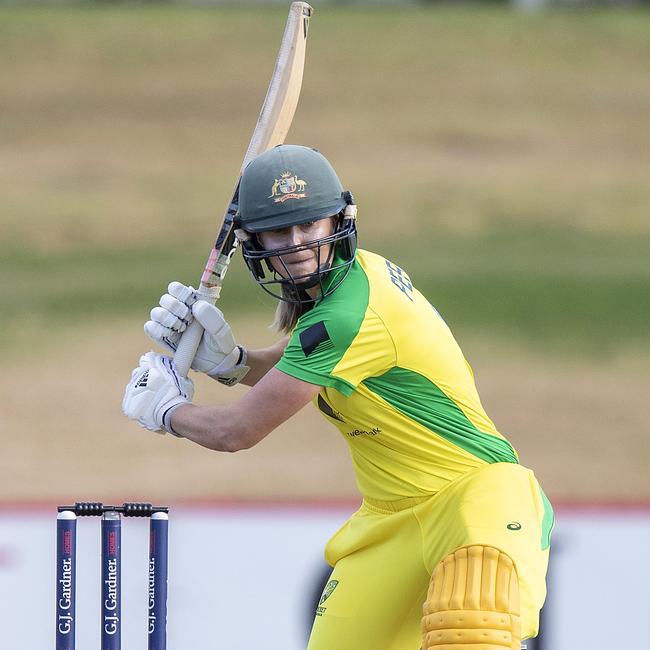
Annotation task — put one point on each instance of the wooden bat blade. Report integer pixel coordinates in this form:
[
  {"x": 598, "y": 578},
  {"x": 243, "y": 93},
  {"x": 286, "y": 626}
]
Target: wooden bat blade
[
  {"x": 270, "y": 130},
  {"x": 282, "y": 96}
]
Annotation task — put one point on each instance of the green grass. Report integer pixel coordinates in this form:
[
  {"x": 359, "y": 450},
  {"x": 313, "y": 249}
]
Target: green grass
[
  {"x": 500, "y": 158},
  {"x": 57, "y": 288},
  {"x": 557, "y": 291}
]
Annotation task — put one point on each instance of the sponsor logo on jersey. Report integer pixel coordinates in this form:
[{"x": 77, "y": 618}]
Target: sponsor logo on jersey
[
  {"x": 288, "y": 186},
  {"x": 362, "y": 432},
  {"x": 327, "y": 592},
  {"x": 514, "y": 525}
]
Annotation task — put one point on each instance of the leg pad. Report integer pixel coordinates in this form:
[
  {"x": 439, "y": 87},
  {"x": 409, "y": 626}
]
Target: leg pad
[{"x": 473, "y": 602}]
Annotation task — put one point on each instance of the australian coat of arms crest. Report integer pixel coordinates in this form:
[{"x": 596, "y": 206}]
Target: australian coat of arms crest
[{"x": 288, "y": 186}]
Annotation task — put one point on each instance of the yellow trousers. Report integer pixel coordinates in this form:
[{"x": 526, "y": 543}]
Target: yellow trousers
[{"x": 384, "y": 555}]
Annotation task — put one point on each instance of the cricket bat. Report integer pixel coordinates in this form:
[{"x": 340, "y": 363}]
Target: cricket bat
[{"x": 271, "y": 129}]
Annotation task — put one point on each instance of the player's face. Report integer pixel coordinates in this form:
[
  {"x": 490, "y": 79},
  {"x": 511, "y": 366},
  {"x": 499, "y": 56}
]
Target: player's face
[{"x": 304, "y": 257}]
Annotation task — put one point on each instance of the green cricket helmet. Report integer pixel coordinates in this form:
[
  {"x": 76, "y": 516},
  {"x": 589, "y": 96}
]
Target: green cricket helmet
[{"x": 286, "y": 186}]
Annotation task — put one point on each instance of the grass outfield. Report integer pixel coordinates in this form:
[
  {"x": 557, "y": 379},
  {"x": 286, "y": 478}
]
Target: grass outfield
[
  {"x": 561, "y": 292},
  {"x": 501, "y": 159}
]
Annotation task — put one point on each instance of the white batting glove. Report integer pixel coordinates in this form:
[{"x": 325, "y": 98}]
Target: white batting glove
[
  {"x": 155, "y": 391},
  {"x": 218, "y": 355}
]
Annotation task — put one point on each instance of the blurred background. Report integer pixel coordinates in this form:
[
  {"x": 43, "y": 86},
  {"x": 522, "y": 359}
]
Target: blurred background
[{"x": 498, "y": 152}]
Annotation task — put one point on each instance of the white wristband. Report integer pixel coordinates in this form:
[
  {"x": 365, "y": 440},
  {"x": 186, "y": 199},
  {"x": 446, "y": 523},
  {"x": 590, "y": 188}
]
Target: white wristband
[{"x": 167, "y": 419}]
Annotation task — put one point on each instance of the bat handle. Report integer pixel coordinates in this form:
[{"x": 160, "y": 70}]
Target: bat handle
[{"x": 191, "y": 337}]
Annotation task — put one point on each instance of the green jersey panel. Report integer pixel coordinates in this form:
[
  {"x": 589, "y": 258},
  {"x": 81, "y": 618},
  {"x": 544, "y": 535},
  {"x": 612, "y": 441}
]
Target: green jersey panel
[
  {"x": 395, "y": 383},
  {"x": 318, "y": 351}
]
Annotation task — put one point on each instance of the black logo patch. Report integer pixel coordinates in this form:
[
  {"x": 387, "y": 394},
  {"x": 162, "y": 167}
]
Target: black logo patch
[
  {"x": 142, "y": 382},
  {"x": 514, "y": 525},
  {"x": 313, "y": 336}
]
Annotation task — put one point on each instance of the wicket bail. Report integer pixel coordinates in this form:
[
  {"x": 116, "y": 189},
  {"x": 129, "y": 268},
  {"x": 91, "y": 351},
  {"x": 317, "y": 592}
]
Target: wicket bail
[{"x": 111, "y": 558}]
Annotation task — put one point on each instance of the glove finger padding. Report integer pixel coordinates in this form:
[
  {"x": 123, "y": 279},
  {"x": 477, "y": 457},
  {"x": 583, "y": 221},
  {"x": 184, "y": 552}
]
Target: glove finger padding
[
  {"x": 172, "y": 317},
  {"x": 161, "y": 335},
  {"x": 155, "y": 390},
  {"x": 184, "y": 294},
  {"x": 172, "y": 313}
]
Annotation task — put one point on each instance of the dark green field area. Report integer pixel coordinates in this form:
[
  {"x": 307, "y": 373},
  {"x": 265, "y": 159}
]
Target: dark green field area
[
  {"x": 501, "y": 159},
  {"x": 562, "y": 291}
]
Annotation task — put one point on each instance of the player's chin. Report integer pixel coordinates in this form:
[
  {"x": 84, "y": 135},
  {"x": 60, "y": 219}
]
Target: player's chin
[{"x": 302, "y": 270}]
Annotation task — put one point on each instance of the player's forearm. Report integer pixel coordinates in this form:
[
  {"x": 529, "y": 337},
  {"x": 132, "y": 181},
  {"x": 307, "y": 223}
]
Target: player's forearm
[
  {"x": 262, "y": 360},
  {"x": 213, "y": 427}
]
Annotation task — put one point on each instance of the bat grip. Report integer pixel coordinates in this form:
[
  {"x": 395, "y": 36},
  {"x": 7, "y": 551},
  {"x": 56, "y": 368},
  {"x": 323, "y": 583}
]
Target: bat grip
[{"x": 191, "y": 337}]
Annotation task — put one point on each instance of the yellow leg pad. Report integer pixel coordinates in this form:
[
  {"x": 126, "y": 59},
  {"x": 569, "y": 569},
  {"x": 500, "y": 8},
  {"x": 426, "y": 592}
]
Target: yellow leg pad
[{"x": 473, "y": 602}]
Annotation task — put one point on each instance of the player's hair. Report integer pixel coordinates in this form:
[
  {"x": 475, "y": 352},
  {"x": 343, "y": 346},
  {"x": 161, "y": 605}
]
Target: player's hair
[{"x": 287, "y": 313}]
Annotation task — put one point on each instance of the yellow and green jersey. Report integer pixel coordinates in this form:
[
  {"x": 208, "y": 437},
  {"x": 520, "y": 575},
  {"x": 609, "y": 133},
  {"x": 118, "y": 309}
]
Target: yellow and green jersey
[{"x": 395, "y": 383}]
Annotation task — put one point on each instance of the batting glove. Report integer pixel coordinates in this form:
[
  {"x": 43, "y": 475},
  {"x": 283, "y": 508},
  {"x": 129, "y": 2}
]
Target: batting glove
[
  {"x": 217, "y": 355},
  {"x": 155, "y": 391}
]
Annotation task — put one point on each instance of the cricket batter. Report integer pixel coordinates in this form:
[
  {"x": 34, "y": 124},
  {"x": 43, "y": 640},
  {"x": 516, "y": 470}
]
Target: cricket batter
[{"x": 449, "y": 549}]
